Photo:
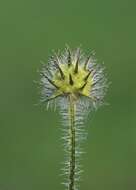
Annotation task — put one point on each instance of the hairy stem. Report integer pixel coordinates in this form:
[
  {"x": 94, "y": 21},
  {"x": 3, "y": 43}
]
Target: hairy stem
[{"x": 72, "y": 159}]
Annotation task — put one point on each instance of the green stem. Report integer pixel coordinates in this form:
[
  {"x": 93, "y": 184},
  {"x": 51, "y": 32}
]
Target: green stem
[{"x": 72, "y": 160}]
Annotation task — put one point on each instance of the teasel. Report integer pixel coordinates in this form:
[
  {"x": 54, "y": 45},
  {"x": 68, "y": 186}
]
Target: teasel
[{"x": 76, "y": 84}]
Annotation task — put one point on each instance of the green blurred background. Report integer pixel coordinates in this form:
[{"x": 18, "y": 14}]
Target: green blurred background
[{"x": 30, "y": 146}]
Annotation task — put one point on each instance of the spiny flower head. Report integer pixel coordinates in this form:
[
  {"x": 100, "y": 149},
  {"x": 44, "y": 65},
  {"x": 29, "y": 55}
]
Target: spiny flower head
[
  {"x": 73, "y": 73},
  {"x": 78, "y": 84}
]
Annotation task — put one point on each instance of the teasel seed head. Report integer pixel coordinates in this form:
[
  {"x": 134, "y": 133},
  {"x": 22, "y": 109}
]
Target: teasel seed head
[{"x": 73, "y": 73}]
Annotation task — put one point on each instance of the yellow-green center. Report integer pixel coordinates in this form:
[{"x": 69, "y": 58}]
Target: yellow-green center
[{"x": 73, "y": 82}]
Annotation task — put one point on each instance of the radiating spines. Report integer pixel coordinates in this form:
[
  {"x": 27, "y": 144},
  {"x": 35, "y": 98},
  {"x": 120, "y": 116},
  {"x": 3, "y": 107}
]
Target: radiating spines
[{"x": 72, "y": 72}]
